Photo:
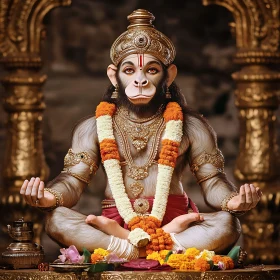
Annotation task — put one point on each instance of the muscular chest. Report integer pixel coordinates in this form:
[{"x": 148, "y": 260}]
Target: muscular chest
[{"x": 139, "y": 146}]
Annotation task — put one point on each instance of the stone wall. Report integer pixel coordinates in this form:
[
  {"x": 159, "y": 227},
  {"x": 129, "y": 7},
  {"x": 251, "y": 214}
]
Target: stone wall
[{"x": 76, "y": 52}]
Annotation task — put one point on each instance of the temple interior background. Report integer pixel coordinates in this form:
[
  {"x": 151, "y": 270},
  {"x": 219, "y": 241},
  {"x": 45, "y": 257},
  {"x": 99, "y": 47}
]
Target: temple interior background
[{"x": 76, "y": 56}]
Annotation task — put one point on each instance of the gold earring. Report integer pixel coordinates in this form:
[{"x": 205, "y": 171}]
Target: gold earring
[
  {"x": 167, "y": 93},
  {"x": 115, "y": 93}
]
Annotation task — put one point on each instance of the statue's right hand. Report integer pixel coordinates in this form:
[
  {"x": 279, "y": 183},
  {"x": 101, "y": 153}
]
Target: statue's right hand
[{"x": 34, "y": 194}]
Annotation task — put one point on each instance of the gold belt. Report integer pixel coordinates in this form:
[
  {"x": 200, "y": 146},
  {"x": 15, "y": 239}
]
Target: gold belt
[{"x": 140, "y": 205}]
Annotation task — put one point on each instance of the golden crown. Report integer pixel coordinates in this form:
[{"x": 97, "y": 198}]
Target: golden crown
[{"x": 141, "y": 37}]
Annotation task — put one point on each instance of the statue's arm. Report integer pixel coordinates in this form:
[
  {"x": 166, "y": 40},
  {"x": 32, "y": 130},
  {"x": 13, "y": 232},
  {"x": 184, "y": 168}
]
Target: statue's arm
[
  {"x": 207, "y": 162},
  {"x": 80, "y": 163}
]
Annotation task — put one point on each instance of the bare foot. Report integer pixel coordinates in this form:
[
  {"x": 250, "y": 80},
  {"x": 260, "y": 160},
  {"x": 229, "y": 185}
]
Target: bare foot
[
  {"x": 182, "y": 222},
  {"x": 111, "y": 227}
]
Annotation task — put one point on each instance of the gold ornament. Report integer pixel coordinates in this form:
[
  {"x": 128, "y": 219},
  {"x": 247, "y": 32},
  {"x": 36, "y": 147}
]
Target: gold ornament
[
  {"x": 72, "y": 159},
  {"x": 115, "y": 93},
  {"x": 141, "y": 37},
  {"x": 58, "y": 200},
  {"x": 138, "y": 131},
  {"x": 136, "y": 188},
  {"x": 134, "y": 171},
  {"x": 216, "y": 159},
  {"x": 141, "y": 206},
  {"x": 167, "y": 94}
]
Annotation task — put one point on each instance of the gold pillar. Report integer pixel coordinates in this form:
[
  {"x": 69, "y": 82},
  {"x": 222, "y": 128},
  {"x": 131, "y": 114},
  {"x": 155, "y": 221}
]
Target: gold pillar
[
  {"x": 21, "y": 31},
  {"x": 256, "y": 28}
]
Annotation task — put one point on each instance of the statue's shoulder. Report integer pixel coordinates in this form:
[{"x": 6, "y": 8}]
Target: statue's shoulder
[
  {"x": 85, "y": 128},
  {"x": 85, "y": 125},
  {"x": 196, "y": 126}
]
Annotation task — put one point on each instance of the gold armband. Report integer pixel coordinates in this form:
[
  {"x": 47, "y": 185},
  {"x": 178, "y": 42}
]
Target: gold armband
[
  {"x": 216, "y": 160},
  {"x": 75, "y": 175},
  {"x": 225, "y": 207},
  {"x": 209, "y": 176},
  {"x": 72, "y": 159},
  {"x": 58, "y": 200}
]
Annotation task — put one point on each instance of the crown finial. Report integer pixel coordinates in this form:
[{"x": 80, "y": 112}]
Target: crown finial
[{"x": 139, "y": 18}]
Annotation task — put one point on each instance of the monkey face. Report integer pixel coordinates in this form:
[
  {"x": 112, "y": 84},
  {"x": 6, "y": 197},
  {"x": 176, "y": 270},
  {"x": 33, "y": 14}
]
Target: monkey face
[{"x": 140, "y": 76}]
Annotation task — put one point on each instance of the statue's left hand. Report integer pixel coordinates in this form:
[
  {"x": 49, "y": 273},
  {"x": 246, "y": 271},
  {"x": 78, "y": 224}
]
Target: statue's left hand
[{"x": 247, "y": 198}]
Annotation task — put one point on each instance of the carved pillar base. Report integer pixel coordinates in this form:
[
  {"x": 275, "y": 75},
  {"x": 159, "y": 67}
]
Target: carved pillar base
[{"x": 261, "y": 229}]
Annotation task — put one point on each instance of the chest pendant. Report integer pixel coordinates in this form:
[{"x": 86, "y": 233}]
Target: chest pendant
[{"x": 139, "y": 132}]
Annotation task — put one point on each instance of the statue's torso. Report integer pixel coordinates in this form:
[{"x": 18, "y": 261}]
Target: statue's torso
[{"x": 139, "y": 147}]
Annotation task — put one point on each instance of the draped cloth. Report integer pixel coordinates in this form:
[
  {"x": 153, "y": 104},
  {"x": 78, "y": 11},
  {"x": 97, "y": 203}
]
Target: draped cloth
[{"x": 176, "y": 205}]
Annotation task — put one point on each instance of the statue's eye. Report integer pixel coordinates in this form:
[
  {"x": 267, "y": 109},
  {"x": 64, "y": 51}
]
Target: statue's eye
[
  {"x": 153, "y": 71},
  {"x": 128, "y": 71}
]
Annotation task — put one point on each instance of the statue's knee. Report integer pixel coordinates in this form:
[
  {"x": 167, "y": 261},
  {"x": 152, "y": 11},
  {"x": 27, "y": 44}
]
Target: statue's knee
[
  {"x": 51, "y": 220},
  {"x": 231, "y": 222}
]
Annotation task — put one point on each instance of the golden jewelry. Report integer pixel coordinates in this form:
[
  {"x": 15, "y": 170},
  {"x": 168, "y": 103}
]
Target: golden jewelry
[
  {"x": 141, "y": 37},
  {"x": 72, "y": 159},
  {"x": 216, "y": 159},
  {"x": 75, "y": 175},
  {"x": 141, "y": 206},
  {"x": 115, "y": 93},
  {"x": 138, "y": 131},
  {"x": 209, "y": 176},
  {"x": 224, "y": 205},
  {"x": 134, "y": 171},
  {"x": 108, "y": 206},
  {"x": 136, "y": 188},
  {"x": 167, "y": 93},
  {"x": 57, "y": 195},
  {"x": 58, "y": 200}
]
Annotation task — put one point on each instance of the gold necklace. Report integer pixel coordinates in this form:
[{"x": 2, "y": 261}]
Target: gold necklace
[
  {"x": 137, "y": 172},
  {"x": 138, "y": 131}
]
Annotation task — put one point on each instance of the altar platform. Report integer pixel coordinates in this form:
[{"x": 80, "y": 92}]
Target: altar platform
[{"x": 254, "y": 273}]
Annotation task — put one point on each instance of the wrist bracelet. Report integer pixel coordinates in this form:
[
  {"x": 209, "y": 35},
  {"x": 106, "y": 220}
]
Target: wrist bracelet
[
  {"x": 58, "y": 200},
  {"x": 225, "y": 207}
]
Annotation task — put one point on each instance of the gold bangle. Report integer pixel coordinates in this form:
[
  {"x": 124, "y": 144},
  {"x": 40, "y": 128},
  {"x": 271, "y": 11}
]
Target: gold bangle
[
  {"x": 225, "y": 207},
  {"x": 75, "y": 175},
  {"x": 58, "y": 200},
  {"x": 57, "y": 195},
  {"x": 209, "y": 176}
]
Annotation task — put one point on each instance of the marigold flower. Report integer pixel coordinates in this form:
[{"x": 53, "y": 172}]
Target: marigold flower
[
  {"x": 201, "y": 265},
  {"x": 216, "y": 259},
  {"x": 101, "y": 252},
  {"x": 191, "y": 253},
  {"x": 229, "y": 264},
  {"x": 188, "y": 265},
  {"x": 95, "y": 258},
  {"x": 173, "y": 112},
  {"x": 105, "y": 108}
]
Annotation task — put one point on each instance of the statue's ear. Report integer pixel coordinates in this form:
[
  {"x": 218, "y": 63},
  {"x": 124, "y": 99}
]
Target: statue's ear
[
  {"x": 112, "y": 74},
  {"x": 172, "y": 73}
]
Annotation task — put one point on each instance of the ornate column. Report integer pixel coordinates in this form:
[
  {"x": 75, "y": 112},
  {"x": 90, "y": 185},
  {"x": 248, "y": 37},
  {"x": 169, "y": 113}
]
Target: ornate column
[
  {"x": 256, "y": 28},
  {"x": 21, "y": 31}
]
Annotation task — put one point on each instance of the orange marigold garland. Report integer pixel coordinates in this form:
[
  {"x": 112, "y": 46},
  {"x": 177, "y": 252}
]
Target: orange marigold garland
[
  {"x": 173, "y": 112},
  {"x": 105, "y": 108},
  {"x": 109, "y": 150}
]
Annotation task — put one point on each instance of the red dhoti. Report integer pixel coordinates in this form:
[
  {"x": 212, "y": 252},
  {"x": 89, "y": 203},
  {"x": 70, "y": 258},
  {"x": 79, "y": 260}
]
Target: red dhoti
[{"x": 176, "y": 205}]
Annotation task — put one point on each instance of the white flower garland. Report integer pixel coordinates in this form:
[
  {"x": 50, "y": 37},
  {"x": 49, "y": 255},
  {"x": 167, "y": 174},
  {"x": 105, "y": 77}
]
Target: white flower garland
[{"x": 173, "y": 132}]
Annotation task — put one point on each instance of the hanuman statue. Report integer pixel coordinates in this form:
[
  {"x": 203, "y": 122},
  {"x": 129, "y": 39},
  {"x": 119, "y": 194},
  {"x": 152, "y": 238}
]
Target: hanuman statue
[{"x": 144, "y": 134}]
